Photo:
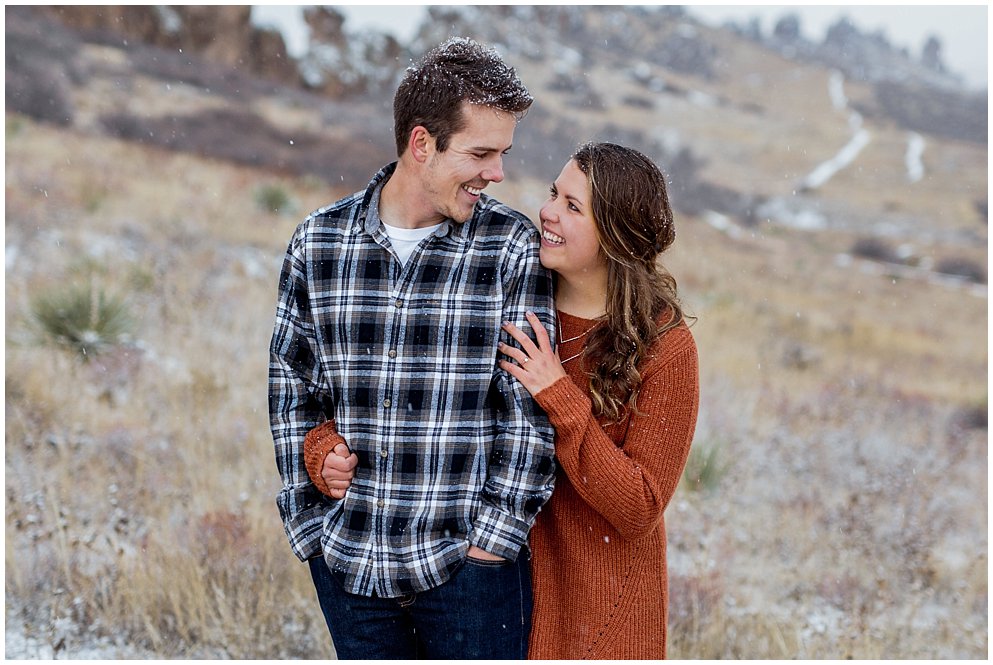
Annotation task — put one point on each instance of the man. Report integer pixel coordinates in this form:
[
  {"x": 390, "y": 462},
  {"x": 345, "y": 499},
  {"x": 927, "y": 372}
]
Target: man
[{"x": 389, "y": 314}]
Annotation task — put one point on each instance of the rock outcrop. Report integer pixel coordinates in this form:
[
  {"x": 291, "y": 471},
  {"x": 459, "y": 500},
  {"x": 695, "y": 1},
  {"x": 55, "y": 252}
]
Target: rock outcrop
[
  {"x": 341, "y": 65},
  {"x": 220, "y": 33}
]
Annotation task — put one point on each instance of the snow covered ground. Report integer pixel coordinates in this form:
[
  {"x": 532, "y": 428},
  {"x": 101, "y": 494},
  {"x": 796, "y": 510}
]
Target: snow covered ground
[{"x": 70, "y": 642}]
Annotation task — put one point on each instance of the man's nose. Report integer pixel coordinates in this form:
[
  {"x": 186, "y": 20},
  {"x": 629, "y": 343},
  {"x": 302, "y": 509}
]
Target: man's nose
[{"x": 494, "y": 170}]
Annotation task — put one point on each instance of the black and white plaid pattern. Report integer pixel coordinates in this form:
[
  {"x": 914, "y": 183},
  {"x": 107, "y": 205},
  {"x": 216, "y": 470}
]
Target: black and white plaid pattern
[{"x": 452, "y": 451}]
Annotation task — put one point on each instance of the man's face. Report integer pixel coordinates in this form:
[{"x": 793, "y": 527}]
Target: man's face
[{"x": 453, "y": 179}]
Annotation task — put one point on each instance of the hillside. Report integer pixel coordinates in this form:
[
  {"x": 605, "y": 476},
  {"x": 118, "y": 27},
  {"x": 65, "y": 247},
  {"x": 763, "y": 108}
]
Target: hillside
[
  {"x": 747, "y": 136},
  {"x": 843, "y": 511}
]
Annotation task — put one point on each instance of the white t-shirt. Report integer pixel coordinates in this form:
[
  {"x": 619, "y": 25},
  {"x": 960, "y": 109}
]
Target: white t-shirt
[{"x": 405, "y": 240}]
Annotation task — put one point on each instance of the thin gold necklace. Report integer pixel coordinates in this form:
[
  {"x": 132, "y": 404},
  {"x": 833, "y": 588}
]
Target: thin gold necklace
[
  {"x": 573, "y": 357},
  {"x": 573, "y": 339}
]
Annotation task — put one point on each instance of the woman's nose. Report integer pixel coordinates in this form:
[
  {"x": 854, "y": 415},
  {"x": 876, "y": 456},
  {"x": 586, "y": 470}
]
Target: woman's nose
[{"x": 547, "y": 211}]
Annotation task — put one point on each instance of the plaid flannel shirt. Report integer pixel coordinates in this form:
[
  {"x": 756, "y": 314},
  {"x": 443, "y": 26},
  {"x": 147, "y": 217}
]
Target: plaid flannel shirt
[{"x": 452, "y": 450}]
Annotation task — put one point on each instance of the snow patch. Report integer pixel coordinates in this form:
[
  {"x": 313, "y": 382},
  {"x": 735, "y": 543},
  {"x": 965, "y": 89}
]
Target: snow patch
[
  {"x": 71, "y": 642},
  {"x": 783, "y": 213},
  {"x": 860, "y": 138},
  {"x": 886, "y": 269},
  {"x": 568, "y": 60},
  {"x": 722, "y": 223},
  {"x": 701, "y": 99},
  {"x": 836, "y": 90},
  {"x": 288, "y": 21},
  {"x": 169, "y": 18},
  {"x": 827, "y": 170},
  {"x": 915, "y": 151}
]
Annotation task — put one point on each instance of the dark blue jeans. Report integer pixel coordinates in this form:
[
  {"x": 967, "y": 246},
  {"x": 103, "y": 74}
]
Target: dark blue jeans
[{"x": 483, "y": 611}]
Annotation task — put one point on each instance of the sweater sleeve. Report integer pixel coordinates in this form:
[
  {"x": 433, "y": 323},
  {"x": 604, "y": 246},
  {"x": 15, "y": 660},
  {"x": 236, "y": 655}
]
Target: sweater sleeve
[
  {"x": 317, "y": 445},
  {"x": 630, "y": 485}
]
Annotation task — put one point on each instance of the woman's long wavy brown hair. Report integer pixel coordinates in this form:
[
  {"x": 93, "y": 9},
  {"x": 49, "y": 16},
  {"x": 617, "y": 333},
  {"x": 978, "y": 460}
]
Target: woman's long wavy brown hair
[{"x": 635, "y": 225}]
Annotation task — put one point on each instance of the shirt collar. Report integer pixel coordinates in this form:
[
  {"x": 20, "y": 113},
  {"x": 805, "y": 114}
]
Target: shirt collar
[{"x": 368, "y": 217}]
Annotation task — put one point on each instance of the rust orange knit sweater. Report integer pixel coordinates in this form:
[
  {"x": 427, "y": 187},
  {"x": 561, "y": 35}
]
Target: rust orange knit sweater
[{"x": 598, "y": 563}]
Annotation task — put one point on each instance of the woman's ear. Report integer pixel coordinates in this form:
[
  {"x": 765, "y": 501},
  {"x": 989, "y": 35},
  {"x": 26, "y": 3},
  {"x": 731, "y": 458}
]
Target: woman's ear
[{"x": 421, "y": 143}]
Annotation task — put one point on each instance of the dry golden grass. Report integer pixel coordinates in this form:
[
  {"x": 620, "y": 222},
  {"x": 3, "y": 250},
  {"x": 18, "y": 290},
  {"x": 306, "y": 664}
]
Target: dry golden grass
[
  {"x": 140, "y": 485},
  {"x": 840, "y": 527}
]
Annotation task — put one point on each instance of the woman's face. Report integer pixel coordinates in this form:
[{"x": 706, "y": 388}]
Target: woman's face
[{"x": 569, "y": 242}]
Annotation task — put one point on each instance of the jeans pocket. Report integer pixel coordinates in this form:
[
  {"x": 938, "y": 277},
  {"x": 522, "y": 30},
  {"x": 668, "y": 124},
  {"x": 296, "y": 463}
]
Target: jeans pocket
[{"x": 486, "y": 563}]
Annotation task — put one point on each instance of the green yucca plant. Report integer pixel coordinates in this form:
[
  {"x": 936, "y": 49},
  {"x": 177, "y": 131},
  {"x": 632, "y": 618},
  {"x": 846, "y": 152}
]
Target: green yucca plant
[
  {"x": 273, "y": 198},
  {"x": 82, "y": 317},
  {"x": 705, "y": 466}
]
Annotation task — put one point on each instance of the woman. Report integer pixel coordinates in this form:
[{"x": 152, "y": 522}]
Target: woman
[{"x": 622, "y": 392}]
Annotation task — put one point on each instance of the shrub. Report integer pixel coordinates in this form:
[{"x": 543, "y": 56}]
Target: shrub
[
  {"x": 962, "y": 267},
  {"x": 273, "y": 198},
  {"x": 694, "y": 601},
  {"x": 247, "y": 138},
  {"x": 799, "y": 356},
  {"x": 39, "y": 90},
  {"x": 945, "y": 113},
  {"x": 238, "y": 135},
  {"x": 972, "y": 416},
  {"x": 83, "y": 318},
  {"x": 638, "y": 102},
  {"x": 874, "y": 249},
  {"x": 704, "y": 467},
  {"x": 39, "y": 67}
]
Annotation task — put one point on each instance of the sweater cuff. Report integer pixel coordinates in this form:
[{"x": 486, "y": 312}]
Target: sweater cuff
[
  {"x": 564, "y": 403},
  {"x": 317, "y": 445}
]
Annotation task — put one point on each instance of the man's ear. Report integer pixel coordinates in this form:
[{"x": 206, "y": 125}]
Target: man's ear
[{"x": 421, "y": 143}]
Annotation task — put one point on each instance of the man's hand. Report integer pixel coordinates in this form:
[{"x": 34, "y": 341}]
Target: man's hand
[
  {"x": 339, "y": 469},
  {"x": 477, "y": 553}
]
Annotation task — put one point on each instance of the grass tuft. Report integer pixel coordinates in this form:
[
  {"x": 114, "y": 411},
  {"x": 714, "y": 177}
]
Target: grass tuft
[
  {"x": 82, "y": 317},
  {"x": 273, "y": 198},
  {"x": 705, "y": 466}
]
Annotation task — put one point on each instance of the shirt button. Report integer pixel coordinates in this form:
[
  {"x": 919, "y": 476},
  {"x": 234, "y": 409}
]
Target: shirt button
[
  {"x": 383, "y": 453},
  {"x": 387, "y": 403},
  {"x": 398, "y": 303},
  {"x": 380, "y": 503},
  {"x": 393, "y": 353}
]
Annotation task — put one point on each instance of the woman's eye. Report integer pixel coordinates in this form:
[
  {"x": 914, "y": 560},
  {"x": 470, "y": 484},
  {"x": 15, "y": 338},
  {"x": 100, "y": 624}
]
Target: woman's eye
[{"x": 572, "y": 207}]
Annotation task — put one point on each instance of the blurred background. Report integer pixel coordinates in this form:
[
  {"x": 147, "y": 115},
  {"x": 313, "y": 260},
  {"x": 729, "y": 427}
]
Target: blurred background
[{"x": 829, "y": 171}]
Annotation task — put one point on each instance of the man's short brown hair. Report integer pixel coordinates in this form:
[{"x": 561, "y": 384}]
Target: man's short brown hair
[{"x": 459, "y": 70}]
